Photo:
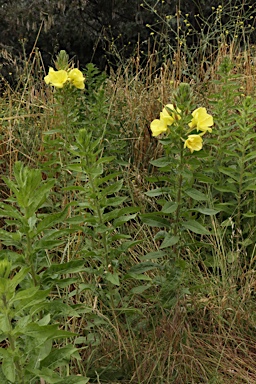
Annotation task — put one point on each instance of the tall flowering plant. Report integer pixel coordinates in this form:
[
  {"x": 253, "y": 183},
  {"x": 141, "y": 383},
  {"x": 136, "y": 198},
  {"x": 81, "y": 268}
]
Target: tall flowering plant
[
  {"x": 67, "y": 84},
  {"x": 181, "y": 129},
  {"x": 181, "y": 197}
]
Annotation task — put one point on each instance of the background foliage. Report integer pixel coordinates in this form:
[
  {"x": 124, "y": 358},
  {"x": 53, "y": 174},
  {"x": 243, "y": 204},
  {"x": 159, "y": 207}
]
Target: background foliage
[{"x": 105, "y": 32}]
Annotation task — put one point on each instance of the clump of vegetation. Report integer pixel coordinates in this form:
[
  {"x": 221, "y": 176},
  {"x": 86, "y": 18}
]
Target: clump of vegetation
[{"x": 128, "y": 216}]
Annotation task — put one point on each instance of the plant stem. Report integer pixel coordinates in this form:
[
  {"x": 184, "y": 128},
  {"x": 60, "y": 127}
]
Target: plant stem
[
  {"x": 12, "y": 342},
  {"x": 179, "y": 192}
]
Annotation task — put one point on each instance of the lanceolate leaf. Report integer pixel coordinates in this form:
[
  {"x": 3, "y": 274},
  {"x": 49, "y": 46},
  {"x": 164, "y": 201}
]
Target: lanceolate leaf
[
  {"x": 158, "y": 192},
  {"x": 169, "y": 240},
  {"x": 207, "y": 211},
  {"x": 162, "y": 162},
  {"x": 143, "y": 267},
  {"x": 196, "y": 195},
  {"x": 153, "y": 255},
  {"x": 169, "y": 207},
  {"x": 154, "y": 220},
  {"x": 194, "y": 226}
]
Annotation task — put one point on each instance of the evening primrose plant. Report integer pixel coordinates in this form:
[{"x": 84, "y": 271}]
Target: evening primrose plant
[
  {"x": 31, "y": 319},
  {"x": 183, "y": 129},
  {"x": 67, "y": 84}
]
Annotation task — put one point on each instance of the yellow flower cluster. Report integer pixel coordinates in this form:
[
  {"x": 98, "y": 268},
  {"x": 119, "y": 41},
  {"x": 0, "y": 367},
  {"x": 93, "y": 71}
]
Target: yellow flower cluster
[
  {"x": 201, "y": 121},
  {"x": 61, "y": 77},
  {"x": 167, "y": 118}
]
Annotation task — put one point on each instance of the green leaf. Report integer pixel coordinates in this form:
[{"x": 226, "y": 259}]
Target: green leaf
[
  {"x": 51, "y": 220},
  {"x": 123, "y": 219},
  {"x": 113, "y": 188},
  {"x": 250, "y": 136},
  {"x": 169, "y": 207},
  {"x": 3, "y": 379},
  {"x": 109, "y": 216},
  {"x": 73, "y": 266},
  {"x": 44, "y": 350},
  {"x": 105, "y": 179},
  {"x": 206, "y": 211},
  {"x": 115, "y": 201},
  {"x": 227, "y": 188},
  {"x": 10, "y": 238},
  {"x": 225, "y": 207},
  {"x": 140, "y": 289},
  {"x": 5, "y": 328},
  {"x": 143, "y": 267},
  {"x": 51, "y": 239},
  {"x": 158, "y": 192},
  {"x": 46, "y": 332},
  {"x": 249, "y": 214},
  {"x": 56, "y": 307},
  {"x": 137, "y": 276},
  {"x": 231, "y": 172},
  {"x": 227, "y": 223},
  {"x": 250, "y": 156},
  {"x": 74, "y": 380},
  {"x": 59, "y": 355},
  {"x": 96, "y": 170},
  {"x": 153, "y": 255},
  {"x": 38, "y": 197},
  {"x": 119, "y": 213},
  {"x": 113, "y": 278},
  {"x": 7, "y": 210},
  {"x": 196, "y": 195},
  {"x": 46, "y": 374},
  {"x": 249, "y": 187},
  {"x": 162, "y": 162},
  {"x": 106, "y": 159},
  {"x": 169, "y": 241},
  {"x": 194, "y": 226},
  {"x": 154, "y": 220},
  {"x": 128, "y": 244},
  {"x": 38, "y": 298},
  {"x": 25, "y": 294},
  {"x": 203, "y": 178},
  {"x": 18, "y": 277},
  {"x": 8, "y": 369}
]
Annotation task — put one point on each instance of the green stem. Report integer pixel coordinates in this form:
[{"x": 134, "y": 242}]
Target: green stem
[
  {"x": 29, "y": 257},
  {"x": 12, "y": 342},
  {"x": 104, "y": 236},
  {"x": 179, "y": 193},
  {"x": 99, "y": 214}
]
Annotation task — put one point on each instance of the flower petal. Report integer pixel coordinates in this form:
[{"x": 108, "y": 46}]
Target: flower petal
[
  {"x": 202, "y": 121},
  {"x": 56, "y": 78},
  {"x": 157, "y": 127},
  {"x": 76, "y": 77},
  {"x": 194, "y": 143}
]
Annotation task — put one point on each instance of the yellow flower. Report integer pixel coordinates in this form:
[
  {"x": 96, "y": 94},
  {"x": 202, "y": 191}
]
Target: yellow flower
[
  {"x": 194, "y": 143},
  {"x": 202, "y": 121},
  {"x": 56, "y": 78},
  {"x": 76, "y": 78},
  {"x": 158, "y": 126},
  {"x": 168, "y": 117}
]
